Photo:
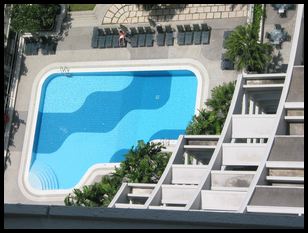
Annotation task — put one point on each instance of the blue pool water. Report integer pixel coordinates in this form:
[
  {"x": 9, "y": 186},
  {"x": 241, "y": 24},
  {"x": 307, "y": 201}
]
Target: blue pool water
[{"x": 91, "y": 118}]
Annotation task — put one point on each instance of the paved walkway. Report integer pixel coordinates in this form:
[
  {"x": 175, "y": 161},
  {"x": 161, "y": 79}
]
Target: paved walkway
[{"x": 132, "y": 13}]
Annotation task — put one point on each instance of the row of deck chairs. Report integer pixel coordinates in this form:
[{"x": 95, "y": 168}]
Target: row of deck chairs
[
  {"x": 106, "y": 38},
  {"x": 144, "y": 36},
  {"x": 47, "y": 46},
  {"x": 197, "y": 35}
]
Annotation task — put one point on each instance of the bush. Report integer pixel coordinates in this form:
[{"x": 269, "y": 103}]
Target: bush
[
  {"x": 258, "y": 13},
  {"x": 244, "y": 50},
  {"x": 33, "y": 17},
  {"x": 211, "y": 120},
  {"x": 143, "y": 164}
]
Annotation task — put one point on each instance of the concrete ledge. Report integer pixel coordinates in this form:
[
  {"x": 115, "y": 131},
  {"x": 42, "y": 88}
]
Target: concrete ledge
[{"x": 20, "y": 216}]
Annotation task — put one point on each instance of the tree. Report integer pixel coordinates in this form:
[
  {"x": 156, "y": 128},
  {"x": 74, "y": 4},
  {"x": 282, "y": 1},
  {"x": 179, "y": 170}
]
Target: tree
[
  {"x": 33, "y": 17},
  {"x": 244, "y": 50},
  {"x": 211, "y": 120},
  {"x": 145, "y": 163}
]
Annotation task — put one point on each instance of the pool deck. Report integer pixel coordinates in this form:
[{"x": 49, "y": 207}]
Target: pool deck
[{"x": 75, "y": 47}]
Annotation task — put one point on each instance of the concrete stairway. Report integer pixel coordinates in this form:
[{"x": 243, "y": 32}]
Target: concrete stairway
[
  {"x": 83, "y": 19},
  {"x": 178, "y": 183}
]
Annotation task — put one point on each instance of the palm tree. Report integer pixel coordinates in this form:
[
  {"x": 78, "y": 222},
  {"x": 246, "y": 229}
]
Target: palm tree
[{"x": 244, "y": 50}]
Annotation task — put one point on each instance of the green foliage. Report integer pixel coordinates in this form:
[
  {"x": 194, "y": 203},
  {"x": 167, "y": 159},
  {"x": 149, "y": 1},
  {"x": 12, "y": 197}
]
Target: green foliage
[
  {"x": 33, "y": 17},
  {"x": 244, "y": 50},
  {"x": 211, "y": 120},
  {"x": 143, "y": 164},
  {"x": 81, "y": 7},
  {"x": 258, "y": 13}
]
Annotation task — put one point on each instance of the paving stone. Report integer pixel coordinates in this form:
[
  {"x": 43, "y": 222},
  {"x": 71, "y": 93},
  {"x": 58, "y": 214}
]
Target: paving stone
[
  {"x": 232, "y": 14},
  {"x": 224, "y": 15},
  {"x": 175, "y": 17},
  {"x": 186, "y": 10},
  {"x": 196, "y": 16},
  {"x": 207, "y": 9},
  {"x": 188, "y": 17},
  {"x": 121, "y": 11},
  {"x": 200, "y": 9},
  {"x": 209, "y": 15},
  {"x": 118, "y": 6},
  {"x": 193, "y": 10},
  {"x": 122, "y": 19},
  {"x": 154, "y": 17},
  {"x": 182, "y": 17},
  {"x": 203, "y": 16},
  {"x": 126, "y": 8},
  {"x": 134, "y": 20},
  {"x": 245, "y": 13},
  {"x": 141, "y": 19},
  {"x": 109, "y": 14},
  {"x": 139, "y": 13},
  {"x": 214, "y": 8},
  {"x": 228, "y": 7},
  {"x": 217, "y": 15},
  {"x": 145, "y": 13},
  {"x": 221, "y": 8},
  {"x": 107, "y": 20},
  {"x": 132, "y": 14},
  {"x": 129, "y": 20},
  {"x": 130, "y": 8},
  {"x": 113, "y": 9},
  {"x": 114, "y": 20}
]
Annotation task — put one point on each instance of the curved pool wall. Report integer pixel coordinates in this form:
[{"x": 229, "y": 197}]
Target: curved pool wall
[{"x": 76, "y": 111}]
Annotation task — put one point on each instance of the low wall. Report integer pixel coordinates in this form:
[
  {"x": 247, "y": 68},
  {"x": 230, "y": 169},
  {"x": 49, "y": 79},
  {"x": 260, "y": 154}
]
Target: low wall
[{"x": 42, "y": 216}]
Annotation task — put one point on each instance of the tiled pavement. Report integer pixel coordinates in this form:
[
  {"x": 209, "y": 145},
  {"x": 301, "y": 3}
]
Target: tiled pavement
[{"x": 132, "y": 13}]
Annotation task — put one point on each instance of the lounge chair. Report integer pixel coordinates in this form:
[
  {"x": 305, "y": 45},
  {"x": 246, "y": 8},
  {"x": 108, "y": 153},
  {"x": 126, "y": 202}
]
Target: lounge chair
[
  {"x": 169, "y": 35},
  {"x": 101, "y": 39},
  {"x": 226, "y": 64},
  {"x": 134, "y": 37},
  {"x": 109, "y": 37},
  {"x": 141, "y": 37},
  {"x": 149, "y": 36},
  {"x": 94, "y": 42},
  {"x": 225, "y": 37},
  {"x": 188, "y": 35},
  {"x": 181, "y": 35},
  {"x": 205, "y": 34},
  {"x": 160, "y": 36},
  {"x": 197, "y": 34}
]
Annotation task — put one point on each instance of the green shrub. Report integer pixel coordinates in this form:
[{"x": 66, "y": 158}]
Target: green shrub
[
  {"x": 244, "y": 50},
  {"x": 258, "y": 13},
  {"x": 211, "y": 120},
  {"x": 143, "y": 164},
  {"x": 33, "y": 17}
]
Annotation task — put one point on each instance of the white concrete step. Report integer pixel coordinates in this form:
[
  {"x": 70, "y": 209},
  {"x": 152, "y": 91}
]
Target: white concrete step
[
  {"x": 205, "y": 137},
  {"x": 141, "y": 188},
  {"x": 297, "y": 119},
  {"x": 166, "y": 207},
  {"x": 285, "y": 164},
  {"x": 242, "y": 154},
  {"x": 252, "y": 126},
  {"x": 128, "y": 206},
  {"x": 275, "y": 209},
  {"x": 222, "y": 200},
  {"x": 138, "y": 196},
  {"x": 286, "y": 179},
  {"x": 188, "y": 174},
  {"x": 259, "y": 87},
  {"x": 177, "y": 194},
  {"x": 199, "y": 147},
  {"x": 221, "y": 188},
  {"x": 294, "y": 105},
  {"x": 231, "y": 179}
]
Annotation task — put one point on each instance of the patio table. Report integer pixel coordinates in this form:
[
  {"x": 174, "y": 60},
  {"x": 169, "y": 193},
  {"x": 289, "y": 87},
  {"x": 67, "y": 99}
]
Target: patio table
[{"x": 277, "y": 36}]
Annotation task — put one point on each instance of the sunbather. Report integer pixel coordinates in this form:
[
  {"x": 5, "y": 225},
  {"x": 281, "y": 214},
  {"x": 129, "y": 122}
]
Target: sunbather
[{"x": 121, "y": 37}]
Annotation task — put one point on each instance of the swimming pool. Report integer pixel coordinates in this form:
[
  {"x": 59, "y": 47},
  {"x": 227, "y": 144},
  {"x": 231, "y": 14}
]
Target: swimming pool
[{"x": 91, "y": 118}]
